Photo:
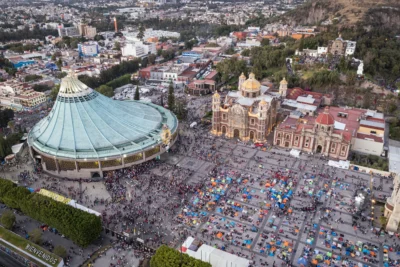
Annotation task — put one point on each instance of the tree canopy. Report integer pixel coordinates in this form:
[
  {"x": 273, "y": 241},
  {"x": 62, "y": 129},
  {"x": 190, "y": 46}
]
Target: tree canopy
[
  {"x": 169, "y": 257},
  {"x": 105, "y": 90},
  {"x": 137, "y": 93},
  {"x": 8, "y": 219},
  {"x": 171, "y": 97},
  {"x": 79, "y": 226}
]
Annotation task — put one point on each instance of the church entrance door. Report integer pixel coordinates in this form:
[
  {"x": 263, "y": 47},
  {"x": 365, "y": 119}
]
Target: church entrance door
[
  {"x": 319, "y": 149},
  {"x": 223, "y": 130},
  {"x": 286, "y": 144},
  {"x": 236, "y": 133},
  {"x": 251, "y": 135}
]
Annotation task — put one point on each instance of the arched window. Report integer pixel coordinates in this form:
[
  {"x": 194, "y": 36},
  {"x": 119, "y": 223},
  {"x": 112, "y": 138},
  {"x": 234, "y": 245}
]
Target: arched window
[{"x": 279, "y": 135}]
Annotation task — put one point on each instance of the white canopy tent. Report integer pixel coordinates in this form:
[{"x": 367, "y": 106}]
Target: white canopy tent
[
  {"x": 295, "y": 153},
  {"x": 216, "y": 257},
  {"x": 342, "y": 164}
]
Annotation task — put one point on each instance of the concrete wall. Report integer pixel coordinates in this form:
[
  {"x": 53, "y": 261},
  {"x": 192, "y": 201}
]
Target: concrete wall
[{"x": 367, "y": 146}]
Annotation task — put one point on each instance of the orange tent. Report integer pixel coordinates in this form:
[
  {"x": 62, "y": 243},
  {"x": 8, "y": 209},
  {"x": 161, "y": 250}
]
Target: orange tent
[{"x": 219, "y": 235}]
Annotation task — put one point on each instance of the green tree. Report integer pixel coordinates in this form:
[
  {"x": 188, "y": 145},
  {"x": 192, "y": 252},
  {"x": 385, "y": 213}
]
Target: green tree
[
  {"x": 60, "y": 251},
  {"x": 36, "y": 236},
  {"x": 33, "y": 77},
  {"x": 166, "y": 256},
  {"x": 351, "y": 78},
  {"x": 171, "y": 97},
  {"x": 152, "y": 59},
  {"x": 180, "y": 109},
  {"x": 343, "y": 64},
  {"x": 140, "y": 34},
  {"x": 8, "y": 219},
  {"x": 54, "y": 92},
  {"x": 301, "y": 45},
  {"x": 265, "y": 42},
  {"x": 105, "y": 90},
  {"x": 74, "y": 44},
  {"x": 11, "y": 125},
  {"x": 98, "y": 37},
  {"x": 59, "y": 63},
  {"x": 79, "y": 226},
  {"x": 246, "y": 52},
  {"x": 231, "y": 68},
  {"x": 230, "y": 51},
  {"x": 5, "y": 148},
  {"x": 367, "y": 99},
  {"x": 137, "y": 93},
  {"x": 117, "y": 46}
]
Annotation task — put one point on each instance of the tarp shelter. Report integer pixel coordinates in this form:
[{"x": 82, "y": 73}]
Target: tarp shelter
[
  {"x": 342, "y": 164},
  {"x": 80, "y": 207},
  {"x": 295, "y": 153},
  {"x": 214, "y": 256},
  {"x": 17, "y": 148}
]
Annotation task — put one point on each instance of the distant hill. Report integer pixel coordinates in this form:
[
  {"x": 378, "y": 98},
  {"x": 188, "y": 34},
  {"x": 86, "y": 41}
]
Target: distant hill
[{"x": 384, "y": 13}]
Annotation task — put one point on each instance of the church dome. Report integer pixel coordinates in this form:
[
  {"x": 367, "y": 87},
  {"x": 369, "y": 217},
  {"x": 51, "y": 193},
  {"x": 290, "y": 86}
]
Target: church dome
[
  {"x": 325, "y": 118},
  {"x": 86, "y": 124},
  {"x": 251, "y": 84}
]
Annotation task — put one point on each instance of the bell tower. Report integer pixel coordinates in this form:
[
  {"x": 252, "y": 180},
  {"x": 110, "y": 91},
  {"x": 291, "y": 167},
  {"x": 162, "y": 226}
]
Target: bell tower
[
  {"x": 262, "y": 120},
  {"x": 216, "y": 116},
  {"x": 283, "y": 88},
  {"x": 242, "y": 78}
]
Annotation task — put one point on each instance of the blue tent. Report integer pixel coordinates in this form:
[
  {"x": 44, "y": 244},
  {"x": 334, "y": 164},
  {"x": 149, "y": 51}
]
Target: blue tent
[{"x": 302, "y": 261}]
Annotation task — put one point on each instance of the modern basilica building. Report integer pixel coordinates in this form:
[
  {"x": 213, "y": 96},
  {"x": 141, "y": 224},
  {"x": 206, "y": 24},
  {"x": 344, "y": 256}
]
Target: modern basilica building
[{"x": 87, "y": 133}]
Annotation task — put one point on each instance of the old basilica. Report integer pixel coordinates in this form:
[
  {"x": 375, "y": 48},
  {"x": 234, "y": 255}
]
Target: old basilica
[{"x": 247, "y": 114}]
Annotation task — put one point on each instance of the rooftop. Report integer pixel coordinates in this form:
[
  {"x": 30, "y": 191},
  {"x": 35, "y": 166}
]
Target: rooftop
[{"x": 86, "y": 124}]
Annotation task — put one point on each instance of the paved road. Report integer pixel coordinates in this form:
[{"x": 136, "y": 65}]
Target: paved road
[{"x": 7, "y": 261}]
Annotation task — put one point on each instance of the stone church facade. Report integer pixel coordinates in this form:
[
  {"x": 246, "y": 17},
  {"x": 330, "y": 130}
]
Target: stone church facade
[{"x": 247, "y": 114}]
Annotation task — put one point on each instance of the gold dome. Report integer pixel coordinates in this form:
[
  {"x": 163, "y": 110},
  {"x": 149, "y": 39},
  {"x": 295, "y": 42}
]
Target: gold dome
[
  {"x": 263, "y": 102},
  {"x": 216, "y": 94},
  {"x": 242, "y": 76},
  {"x": 284, "y": 81},
  {"x": 251, "y": 84}
]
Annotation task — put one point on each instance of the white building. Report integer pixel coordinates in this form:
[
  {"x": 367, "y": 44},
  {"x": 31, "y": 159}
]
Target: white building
[
  {"x": 138, "y": 49},
  {"x": 150, "y": 33},
  {"x": 322, "y": 50},
  {"x": 350, "y": 48},
  {"x": 88, "y": 49},
  {"x": 68, "y": 31},
  {"x": 90, "y": 32}
]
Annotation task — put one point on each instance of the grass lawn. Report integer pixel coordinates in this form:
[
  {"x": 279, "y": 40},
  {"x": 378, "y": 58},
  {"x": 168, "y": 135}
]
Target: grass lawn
[{"x": 21, "y": 243}]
